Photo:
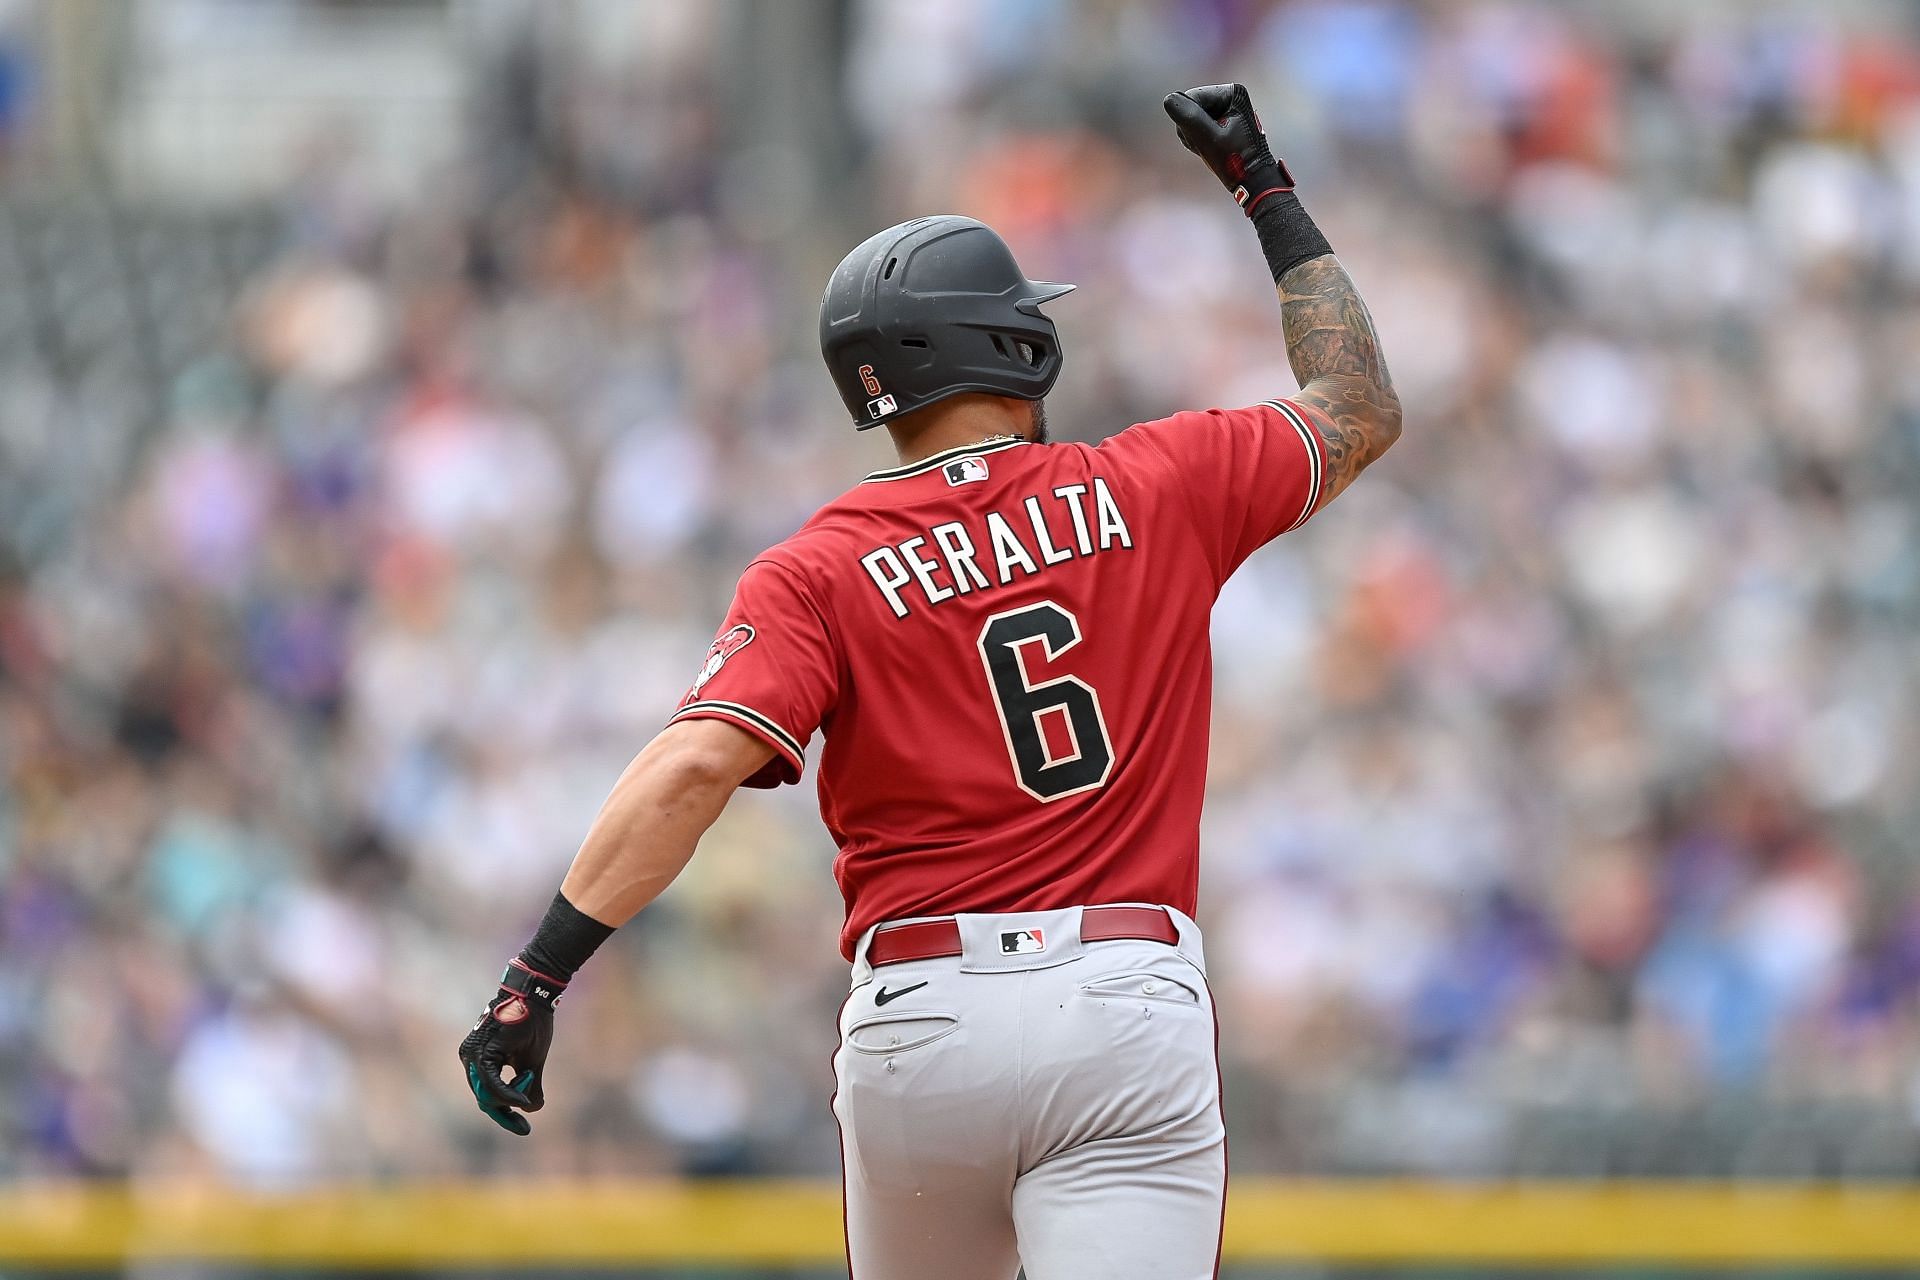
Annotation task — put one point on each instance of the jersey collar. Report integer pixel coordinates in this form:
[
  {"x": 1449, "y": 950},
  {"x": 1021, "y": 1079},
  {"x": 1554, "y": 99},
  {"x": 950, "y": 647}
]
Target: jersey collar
[{"x": 940, "y": 459}]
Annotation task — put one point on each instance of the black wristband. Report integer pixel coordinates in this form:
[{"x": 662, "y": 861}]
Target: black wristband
[
  {"x": 1287, "y": 234},
  {"x": 564, "y": 940}
]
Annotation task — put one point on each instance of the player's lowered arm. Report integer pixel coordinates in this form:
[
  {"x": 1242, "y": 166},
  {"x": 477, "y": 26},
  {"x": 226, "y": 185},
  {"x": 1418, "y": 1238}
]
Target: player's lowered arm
[
  {"x": 646, "y": 832},
  {"x": 664, "y": 802},
  {"x": 1330, "y": 338}
]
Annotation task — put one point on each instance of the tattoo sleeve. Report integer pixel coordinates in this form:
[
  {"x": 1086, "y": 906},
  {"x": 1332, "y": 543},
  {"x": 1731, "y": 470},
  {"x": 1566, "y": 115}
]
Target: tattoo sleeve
[{"x": 1336, "y": 357}]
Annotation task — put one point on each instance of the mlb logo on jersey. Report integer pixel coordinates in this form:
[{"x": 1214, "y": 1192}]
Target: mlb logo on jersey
[
  {"x": 880, "y": 408},
  {"x": 1022, "y": 941},
  {"x": 966, "y": 471}
]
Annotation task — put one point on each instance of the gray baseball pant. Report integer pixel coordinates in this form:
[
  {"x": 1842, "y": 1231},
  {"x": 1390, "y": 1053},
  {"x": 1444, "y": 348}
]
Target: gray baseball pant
[{"x": 1057, "y": 1108}]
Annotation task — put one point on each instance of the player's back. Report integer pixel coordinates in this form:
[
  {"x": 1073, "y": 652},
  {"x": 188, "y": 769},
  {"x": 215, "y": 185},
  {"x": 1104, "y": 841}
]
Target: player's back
[{"x": 1006, "y": 646}]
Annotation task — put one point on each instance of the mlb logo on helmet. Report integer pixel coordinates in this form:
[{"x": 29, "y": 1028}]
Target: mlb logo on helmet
[
  {"x": 880, "y": 408},
  {"x": 1019, "y": 941},
  {"x": 966, "y": 471}
]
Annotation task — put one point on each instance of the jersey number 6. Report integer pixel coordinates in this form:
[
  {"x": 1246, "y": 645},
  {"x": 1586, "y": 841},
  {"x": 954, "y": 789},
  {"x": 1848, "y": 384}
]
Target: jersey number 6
[{"x": 1035, "y": 717}]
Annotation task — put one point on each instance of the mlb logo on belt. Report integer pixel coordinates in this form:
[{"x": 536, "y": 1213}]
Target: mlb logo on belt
[
  {"x": 1020, "y": 941},
  {"x": 880, "y": 408},
  {"x": 966, "y": 471}
]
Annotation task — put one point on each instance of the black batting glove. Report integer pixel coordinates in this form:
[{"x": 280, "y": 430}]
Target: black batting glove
[
  {"x": 513, "y": 1034},
  {"x": 1218, "y": 124}
]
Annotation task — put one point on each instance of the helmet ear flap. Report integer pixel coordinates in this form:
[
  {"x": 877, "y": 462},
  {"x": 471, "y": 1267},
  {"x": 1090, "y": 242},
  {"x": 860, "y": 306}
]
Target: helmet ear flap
[{"x": 1023, "y": 350}]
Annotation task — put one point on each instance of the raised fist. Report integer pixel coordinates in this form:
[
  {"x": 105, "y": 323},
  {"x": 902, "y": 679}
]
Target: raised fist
[{"x": 1218, "y": 124}]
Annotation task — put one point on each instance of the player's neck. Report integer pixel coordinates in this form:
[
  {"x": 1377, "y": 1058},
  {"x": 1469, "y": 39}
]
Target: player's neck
[{"x": 957, "y": 423}]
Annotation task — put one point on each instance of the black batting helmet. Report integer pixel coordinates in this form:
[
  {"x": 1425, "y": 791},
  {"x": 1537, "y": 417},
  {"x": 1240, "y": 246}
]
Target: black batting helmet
[{"x": 930, "y": 309}]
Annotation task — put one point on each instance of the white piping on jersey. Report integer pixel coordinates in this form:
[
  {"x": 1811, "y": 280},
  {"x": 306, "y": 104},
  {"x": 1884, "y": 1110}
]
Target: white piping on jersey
[
  {"x": 759, "y": 720},
  {"x": 1308, "y": 438},
  {"x": 941, "y": 458}
]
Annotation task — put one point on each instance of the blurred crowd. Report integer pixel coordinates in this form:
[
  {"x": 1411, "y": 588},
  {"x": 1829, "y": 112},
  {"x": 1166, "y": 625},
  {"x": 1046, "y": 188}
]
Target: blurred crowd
[{"x": 1564, "y": 809}]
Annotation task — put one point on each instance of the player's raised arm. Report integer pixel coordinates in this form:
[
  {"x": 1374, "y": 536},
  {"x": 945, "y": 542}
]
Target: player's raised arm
[
  {"x": 1336, "y": 357},
  {"x": 1330, "y": 338}
]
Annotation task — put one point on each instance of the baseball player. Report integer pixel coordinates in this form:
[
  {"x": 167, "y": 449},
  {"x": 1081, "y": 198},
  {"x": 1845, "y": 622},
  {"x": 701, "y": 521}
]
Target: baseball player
[{"x": 1004, "y": 643}]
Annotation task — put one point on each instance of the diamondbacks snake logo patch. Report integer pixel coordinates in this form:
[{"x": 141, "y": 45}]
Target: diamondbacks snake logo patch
[{"x": 730, "y": 642}]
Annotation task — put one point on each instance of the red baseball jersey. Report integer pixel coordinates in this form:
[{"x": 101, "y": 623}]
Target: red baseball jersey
[{"x": 1006, "y": 648}]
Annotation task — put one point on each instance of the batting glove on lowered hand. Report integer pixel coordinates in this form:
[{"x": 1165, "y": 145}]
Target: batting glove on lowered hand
[
  {"x": 1218, "y": 124},
  {"x": 515, "y": 1032}
]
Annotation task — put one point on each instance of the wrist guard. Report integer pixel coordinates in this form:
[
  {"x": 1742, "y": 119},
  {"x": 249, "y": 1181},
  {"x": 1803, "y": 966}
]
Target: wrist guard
[
  {"x": 564, "y": 940},
  {"x": 1287, "y": 235}
]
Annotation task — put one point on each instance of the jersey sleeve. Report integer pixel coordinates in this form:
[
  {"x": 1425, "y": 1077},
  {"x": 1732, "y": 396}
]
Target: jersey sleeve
[
  {"x": 773, "y": 669},
  {"x": 1247, "y": 475}
]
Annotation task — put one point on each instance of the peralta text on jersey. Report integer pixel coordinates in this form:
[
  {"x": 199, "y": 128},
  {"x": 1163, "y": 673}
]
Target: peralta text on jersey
[{"x": 998, "y": 547}]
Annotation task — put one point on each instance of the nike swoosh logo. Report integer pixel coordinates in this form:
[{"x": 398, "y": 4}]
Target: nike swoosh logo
[{"x": 883, "y": 995}]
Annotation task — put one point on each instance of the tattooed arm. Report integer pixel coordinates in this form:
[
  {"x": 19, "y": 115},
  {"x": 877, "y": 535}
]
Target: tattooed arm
[
  {"x": 1336, "y": 357},
  {"x": 1330, "y": 337}
]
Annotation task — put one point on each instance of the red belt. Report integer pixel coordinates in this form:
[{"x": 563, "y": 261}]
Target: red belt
[{"x": 927, "y": 939}]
